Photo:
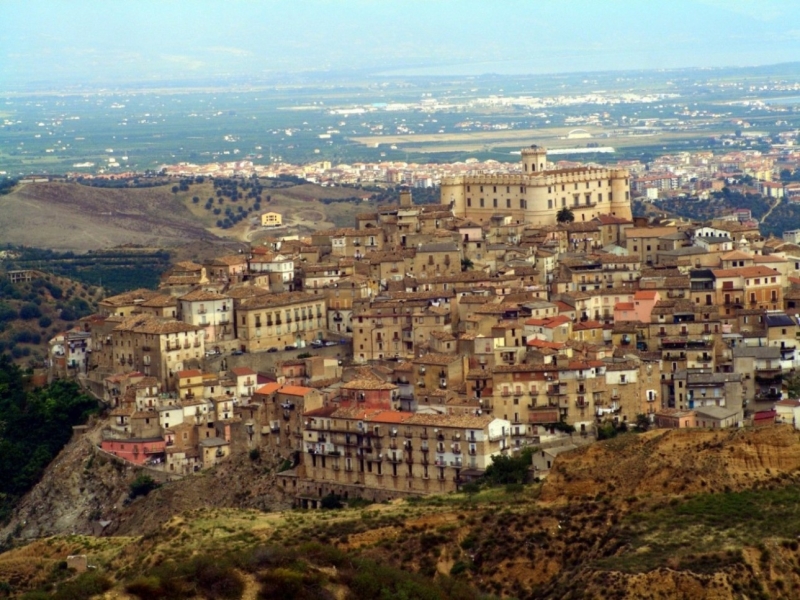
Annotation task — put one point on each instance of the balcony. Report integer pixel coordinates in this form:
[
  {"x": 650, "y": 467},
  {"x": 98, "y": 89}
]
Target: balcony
[{"x": 556, "y": 390}]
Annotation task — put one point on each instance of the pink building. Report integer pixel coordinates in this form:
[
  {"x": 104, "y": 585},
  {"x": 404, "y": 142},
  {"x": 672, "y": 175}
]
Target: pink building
[
  {"x": 136, "y": 451},
  {"x": 639, "y": 309},
  {"x": 673, "y": 418},
  {"x": 370, "y": 393}
]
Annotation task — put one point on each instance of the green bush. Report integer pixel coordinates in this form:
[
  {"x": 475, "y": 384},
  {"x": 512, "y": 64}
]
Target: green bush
[
  {"x": 84, "y": 586},
  {"x": 254, "y": 454},
  {"x": 141, "y": 486},
  {"x": 332, "y": 501},
  {"x": 29, "y": 311}
]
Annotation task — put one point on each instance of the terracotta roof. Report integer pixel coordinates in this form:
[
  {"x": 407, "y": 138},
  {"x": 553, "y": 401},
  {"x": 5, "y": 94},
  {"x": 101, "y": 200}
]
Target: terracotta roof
[
  {"x": 587, "y": 325},
  {"x": 745, "y": 272},
  {"x": 283, "y": 299},
  {"x": 241, "y": 371},
  {"x": 295, "y": 390},
  {"x": 645, "y": 295},
  {"x": 201, "y": 295},
  {"x": 436, "y": 359},
  {"x": 368, "y": 384},
  {"x": 160, "y": 301},
  {"x": 189, "y": 373},
  {"x": 549, "y": 322},
  {"x": 268, "y": 388},
  {"x": 132, "y": 297}
]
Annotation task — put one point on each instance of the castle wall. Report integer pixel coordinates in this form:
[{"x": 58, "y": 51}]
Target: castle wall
[{"x": 537, "y": 198}]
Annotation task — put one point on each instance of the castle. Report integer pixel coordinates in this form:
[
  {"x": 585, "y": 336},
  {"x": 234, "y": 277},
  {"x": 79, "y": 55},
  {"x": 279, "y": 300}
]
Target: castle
[{"x": 537, "y": 194}]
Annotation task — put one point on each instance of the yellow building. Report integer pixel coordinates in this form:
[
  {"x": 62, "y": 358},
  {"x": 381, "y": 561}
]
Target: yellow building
[
  {"x": 271, "y": 219},
  {"x": 537, "y": 194}
]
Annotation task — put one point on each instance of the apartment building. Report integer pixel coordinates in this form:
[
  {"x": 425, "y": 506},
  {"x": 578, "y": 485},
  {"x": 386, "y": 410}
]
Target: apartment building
[
  {"x": 280, "y": 320},
  {"x": 402, "y": 453}
]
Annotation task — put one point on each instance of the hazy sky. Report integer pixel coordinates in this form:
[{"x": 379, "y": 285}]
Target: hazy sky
[{"x": 94, "y": 42}]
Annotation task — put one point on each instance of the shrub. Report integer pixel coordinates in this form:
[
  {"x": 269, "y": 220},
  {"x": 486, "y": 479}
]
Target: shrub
[
  {"x": 141, "y": 486},
  {"x": 84, "y": 586},
  {"x": 331, "y": 501},
  {"x": 45, "y": 322},
  {"x": 255, "y": 454},
  {"x": 29, "y": 311}
]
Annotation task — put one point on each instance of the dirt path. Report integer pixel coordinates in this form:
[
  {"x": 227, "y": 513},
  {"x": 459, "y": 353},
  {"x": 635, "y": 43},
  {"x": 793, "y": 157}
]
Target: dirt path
[{"x": 771, "y": 208}]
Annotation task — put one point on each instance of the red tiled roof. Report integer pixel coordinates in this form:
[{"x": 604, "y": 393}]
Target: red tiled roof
[
  {"x": 269, "y": 388},
  {"x": 645, "y": 295},
  {"x": 242, "y": 371},
  {"x": 548, "y": 321},
  {"x": 189, "y": 373},
  {"x": 295, "y": 390}
]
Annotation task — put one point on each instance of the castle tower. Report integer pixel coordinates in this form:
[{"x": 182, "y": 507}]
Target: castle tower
[
  {"x": 405, "y": 198},
  {"x": 620, "y": 190},
  {"x": 534, "y": 160}
]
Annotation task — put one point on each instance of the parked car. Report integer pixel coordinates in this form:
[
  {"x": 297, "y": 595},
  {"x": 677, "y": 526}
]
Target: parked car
[
  {"x": 272, "y": 350},
  {"x": 329, "y": 343},
  {"x": 317, "y": 343},
  {"x": 290, "y": 347},
  {"x": 237, "y": 352}
]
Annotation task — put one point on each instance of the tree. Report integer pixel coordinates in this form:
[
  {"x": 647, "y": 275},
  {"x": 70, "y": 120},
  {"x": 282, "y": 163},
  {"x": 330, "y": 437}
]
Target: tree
[
  {"x": 29, "y": 311},
  {"x": 510, "y": 469},
  {"x": 642, "y": 422},
  {"x": 565, "y": 215},
  {"x": 141, "y": 486},
  {"x": 466, "y": 264}
]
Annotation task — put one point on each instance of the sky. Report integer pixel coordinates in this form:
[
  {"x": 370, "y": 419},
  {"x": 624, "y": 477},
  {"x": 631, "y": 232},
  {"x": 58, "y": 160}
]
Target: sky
[{"x": 97, "y": 43}]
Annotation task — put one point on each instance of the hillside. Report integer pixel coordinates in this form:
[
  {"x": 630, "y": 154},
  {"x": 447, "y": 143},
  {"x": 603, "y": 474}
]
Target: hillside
[
  {"x": 609, "y": 523},
  {"x": 31, "y": 313},
  {"x": 70, "y": 216},
  {"x": 81, "y": 488},
  {"x": 76, "y": 217}
]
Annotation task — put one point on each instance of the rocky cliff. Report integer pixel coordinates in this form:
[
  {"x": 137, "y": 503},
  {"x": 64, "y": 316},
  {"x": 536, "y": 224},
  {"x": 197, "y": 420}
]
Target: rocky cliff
[{"x": 84, "y": 491}]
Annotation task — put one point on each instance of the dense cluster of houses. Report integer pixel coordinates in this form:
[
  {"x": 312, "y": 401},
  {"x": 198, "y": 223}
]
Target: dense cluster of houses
[{"x": 463, "y": 341}]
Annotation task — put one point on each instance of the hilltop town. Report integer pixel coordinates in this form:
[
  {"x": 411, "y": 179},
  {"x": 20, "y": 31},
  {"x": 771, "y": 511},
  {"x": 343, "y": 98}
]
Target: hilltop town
[{"x": 400, "y": 356}]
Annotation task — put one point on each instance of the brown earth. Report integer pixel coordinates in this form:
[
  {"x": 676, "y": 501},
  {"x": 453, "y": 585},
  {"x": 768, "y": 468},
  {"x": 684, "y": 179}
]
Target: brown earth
[
  {"x": 674, "y": 462},
  {"x": 587, "y": 532},
  {"x": 82, "y": 488},
  {"x": 70, "y": 216}
]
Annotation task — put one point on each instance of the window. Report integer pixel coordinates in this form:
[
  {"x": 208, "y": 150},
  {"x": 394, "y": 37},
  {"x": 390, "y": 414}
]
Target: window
[
  {"x": 508, "y": 202},
  {"x": 481, "y": 202},
  {"x": 494, "y": 203},
  {"x": 469, "y": 201}
]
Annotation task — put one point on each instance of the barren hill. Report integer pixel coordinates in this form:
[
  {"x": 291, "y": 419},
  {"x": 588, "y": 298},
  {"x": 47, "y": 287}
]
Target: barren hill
[
  {"x": 674, "y": 462},
  {"x": 68, "y": 216},
  {"x": 678, "y": 514}
]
